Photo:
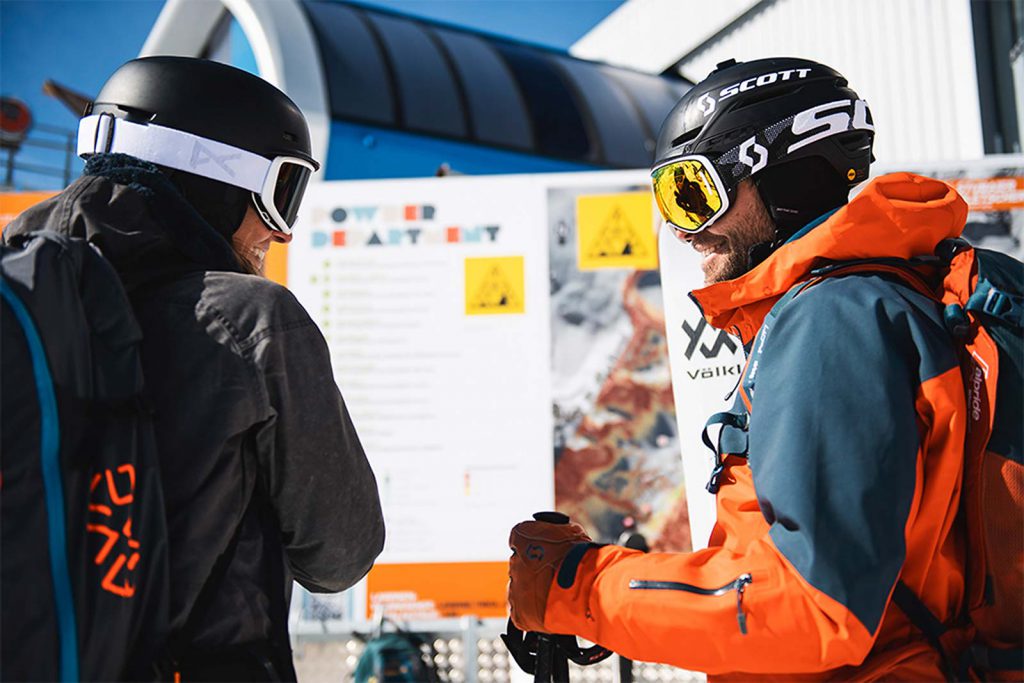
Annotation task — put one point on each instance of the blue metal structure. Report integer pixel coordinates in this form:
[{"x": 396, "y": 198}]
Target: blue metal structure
[{"x": 407, "y": 96}]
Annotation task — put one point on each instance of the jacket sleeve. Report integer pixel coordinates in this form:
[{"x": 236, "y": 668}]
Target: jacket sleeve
[
  {"x": 802, "y": 577},
  {"x": 323, "y": 490}
]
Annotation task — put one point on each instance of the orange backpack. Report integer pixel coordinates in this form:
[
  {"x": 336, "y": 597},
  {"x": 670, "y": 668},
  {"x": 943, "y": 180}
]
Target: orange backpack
[
  {"x": 984, "y": 299},
  {"x": 983, "y": 295}
]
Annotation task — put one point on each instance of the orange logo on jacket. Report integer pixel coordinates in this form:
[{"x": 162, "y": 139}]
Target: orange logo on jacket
[{"x": 119, "y": 553}]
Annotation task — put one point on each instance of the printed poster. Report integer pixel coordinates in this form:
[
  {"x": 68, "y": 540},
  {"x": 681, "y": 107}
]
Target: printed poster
[
  {"x": 430, "y": 296},
  {"x": 616, "y": 442}
]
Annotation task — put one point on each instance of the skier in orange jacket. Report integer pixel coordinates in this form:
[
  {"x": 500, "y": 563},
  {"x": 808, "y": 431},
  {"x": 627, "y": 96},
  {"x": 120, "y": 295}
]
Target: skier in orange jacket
[{"x": 839, "y": 466}]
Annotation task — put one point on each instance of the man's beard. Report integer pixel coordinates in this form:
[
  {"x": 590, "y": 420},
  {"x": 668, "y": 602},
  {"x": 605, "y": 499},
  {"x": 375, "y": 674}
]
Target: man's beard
[{"x": 731, "y": 257}]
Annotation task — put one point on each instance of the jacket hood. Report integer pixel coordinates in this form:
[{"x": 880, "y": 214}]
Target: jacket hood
[
  {"x": 900, "y": 215},
  {"x": 136, "y": 217}
]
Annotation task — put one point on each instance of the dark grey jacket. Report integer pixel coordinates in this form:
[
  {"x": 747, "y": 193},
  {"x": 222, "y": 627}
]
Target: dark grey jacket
[{"x": 244, "y": 395}]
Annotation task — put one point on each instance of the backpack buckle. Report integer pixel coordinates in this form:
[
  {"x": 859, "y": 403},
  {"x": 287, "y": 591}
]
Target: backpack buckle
[
  {"x": 997, "y": 304},
  {"x": 1006, "y": 307}
]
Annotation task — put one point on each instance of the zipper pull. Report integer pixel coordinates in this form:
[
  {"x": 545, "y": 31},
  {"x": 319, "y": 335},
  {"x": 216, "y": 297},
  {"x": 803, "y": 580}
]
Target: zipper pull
[{"x": 741, "y": 617}]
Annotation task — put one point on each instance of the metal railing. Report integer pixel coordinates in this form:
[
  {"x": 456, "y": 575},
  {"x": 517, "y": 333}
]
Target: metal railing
[{"x": 48, "y": 140}]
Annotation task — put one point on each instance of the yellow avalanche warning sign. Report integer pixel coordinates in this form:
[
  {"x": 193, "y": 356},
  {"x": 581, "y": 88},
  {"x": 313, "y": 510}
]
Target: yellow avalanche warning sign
[
  {"x": 616, "y": 231},
  {"x": 495, "y": 285}
]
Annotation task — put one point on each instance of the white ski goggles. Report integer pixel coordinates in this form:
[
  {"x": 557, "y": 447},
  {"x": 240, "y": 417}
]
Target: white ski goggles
[{"x": 277, "y": 185}]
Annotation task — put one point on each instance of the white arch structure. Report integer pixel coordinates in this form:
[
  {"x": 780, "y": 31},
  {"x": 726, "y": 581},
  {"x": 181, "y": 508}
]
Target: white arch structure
[{"x": 282, "y": 41}]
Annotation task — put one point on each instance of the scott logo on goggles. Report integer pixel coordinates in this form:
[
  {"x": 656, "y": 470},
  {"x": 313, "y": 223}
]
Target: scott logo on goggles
[{"x": 708, "y": 104}]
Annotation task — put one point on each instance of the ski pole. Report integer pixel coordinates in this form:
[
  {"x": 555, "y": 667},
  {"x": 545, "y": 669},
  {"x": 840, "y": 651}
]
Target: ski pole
[{"x": 545, "y": 655}]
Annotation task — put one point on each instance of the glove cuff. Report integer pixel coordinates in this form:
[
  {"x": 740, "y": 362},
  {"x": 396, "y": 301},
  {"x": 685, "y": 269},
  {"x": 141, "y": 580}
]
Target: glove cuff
[{"x": 571, "y": 563}]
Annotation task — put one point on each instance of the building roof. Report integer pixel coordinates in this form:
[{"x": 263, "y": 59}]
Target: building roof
[{"x": 400, "y": 72}]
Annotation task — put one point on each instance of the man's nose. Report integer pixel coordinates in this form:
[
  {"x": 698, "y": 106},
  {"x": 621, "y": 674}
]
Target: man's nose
[
  {"x": 687, "y": 237},
  {"x": 281, "y": 237}
]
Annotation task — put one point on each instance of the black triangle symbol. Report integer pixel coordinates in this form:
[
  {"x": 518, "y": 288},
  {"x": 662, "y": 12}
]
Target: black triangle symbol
[
  {"x": 495, "y": 292},
  {"x": 616, "y": 238}
]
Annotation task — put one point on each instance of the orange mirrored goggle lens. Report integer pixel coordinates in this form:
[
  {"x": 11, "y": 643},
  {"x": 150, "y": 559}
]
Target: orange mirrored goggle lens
[{"x": 687, "y": 194}]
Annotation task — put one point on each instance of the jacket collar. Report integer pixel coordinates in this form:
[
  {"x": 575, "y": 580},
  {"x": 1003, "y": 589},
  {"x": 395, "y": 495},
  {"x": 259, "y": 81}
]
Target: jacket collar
[
  {"x": 900, "y": 215},
  {"x": 133, "y": 213}
]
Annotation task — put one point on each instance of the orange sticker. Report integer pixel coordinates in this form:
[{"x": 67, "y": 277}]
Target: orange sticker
[
  {"x": 991, "y": 194},
  {"x": 13, "y": 203},
  {"x": 436, "y": 590}
]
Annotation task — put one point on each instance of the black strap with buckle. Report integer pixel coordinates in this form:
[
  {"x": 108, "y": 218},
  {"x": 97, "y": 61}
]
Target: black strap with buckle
[{"x": 546, "y": 656}]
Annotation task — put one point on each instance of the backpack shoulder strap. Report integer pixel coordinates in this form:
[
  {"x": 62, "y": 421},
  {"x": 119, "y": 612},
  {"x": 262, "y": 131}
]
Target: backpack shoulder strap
[
  {"x": 926, "y": 622},
  {"x": 904, "y": 270}
]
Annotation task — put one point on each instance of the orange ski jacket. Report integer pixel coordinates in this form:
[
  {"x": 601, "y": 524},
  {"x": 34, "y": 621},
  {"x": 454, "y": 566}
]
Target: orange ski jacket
[{"x": 840, "y": 471}]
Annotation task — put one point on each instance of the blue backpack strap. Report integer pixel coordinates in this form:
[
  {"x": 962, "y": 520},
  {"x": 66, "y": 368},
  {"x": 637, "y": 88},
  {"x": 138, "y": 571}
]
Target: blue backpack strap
[
  {"x": 726, "y": 444},
  {"x": 49, "y": 454},
  {"x": 995, "y": 303}
]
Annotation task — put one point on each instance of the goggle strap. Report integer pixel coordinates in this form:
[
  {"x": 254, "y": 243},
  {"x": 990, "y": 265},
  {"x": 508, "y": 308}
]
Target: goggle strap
[{"x": 104, "y": 133}]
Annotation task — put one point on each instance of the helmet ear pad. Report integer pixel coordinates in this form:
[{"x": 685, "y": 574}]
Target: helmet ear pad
[
  {"x": 797, "y": 192},
  {"x": 221, "y": 205}
]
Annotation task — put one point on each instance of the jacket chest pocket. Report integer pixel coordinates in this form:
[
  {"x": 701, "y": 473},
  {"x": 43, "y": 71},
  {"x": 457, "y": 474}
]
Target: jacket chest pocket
[{"x": 737, "y": 585}]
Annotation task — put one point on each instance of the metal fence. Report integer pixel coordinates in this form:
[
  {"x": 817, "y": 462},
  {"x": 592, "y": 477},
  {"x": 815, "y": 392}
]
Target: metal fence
[{"x": 46, "y": 157}]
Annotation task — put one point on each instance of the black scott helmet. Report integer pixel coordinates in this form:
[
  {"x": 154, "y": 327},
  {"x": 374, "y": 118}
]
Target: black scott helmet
[
  {"x": 207, "y": 119},
  {"x": 793, "y": 125}
]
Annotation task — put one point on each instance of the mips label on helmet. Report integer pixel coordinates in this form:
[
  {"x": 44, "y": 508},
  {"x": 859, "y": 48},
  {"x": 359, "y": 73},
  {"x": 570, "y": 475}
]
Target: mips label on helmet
[{"x": 707, "y": 102}]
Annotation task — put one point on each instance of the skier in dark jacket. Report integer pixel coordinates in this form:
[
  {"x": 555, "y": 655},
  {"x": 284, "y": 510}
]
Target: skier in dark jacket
[{"x": 193, "y": 169}]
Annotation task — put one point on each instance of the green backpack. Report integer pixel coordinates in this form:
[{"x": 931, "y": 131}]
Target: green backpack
[{"x": 398, "y": 657}]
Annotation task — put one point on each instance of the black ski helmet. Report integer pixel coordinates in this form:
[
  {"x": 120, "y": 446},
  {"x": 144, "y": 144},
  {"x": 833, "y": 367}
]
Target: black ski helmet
[
  {"x": 219, "y": 105},
  {"x": 208, "y": 99},
  {"x": 791, "y": 124}
]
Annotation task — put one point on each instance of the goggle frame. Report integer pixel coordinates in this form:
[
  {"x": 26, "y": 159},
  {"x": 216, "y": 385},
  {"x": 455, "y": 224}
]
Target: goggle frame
[{"x": 724, "y": 192}]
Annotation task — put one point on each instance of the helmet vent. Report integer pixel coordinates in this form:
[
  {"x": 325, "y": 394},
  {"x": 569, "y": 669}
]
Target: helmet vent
[
  {"x": 760, "y": 97},
  {"x": 686, "y": 137},
  {"x": 136, "y": 115},
  {"x": 724, "y": 65},
  {"x": 855, "y": 141}
]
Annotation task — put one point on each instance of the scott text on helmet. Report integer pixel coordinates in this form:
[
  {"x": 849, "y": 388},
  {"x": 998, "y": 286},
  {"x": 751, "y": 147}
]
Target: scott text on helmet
[{"x": 707, "y": 102}]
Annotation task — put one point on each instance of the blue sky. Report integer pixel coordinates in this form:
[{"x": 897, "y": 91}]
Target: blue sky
[{"x": 78, "y": 43}]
